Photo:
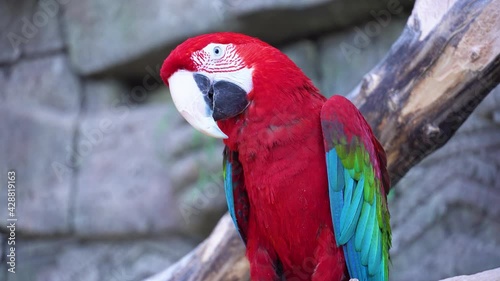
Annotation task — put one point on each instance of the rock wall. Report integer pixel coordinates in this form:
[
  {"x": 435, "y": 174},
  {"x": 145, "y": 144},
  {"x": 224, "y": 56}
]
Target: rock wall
[
  {"x": 446, "y": 210},
  {"x": 114, "y": 185}
]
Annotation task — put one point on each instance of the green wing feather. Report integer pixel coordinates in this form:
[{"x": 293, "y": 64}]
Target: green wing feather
[{"x": 358, "y": 182}]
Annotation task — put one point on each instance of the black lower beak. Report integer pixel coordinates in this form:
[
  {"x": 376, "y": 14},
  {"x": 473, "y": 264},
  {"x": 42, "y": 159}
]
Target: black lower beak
[{"x": 224, "y": 98}]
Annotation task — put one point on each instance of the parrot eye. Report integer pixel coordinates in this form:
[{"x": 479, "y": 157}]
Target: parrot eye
[{"x": 217, "y": 52}]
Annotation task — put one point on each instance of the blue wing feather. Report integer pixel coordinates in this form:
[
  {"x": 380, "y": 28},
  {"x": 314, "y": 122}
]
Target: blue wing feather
[
  {"x": 354, "y": 262},
  {"x": 228, "y": 189},
  {"x": 234, "y": 189},
  {"x": 354, "y": 221},
  {"x": 360, "y": 230},
  {"x": 367, "y": 237},
  {"x": 349, "y": 221},
  {"x": 336, "y": 188},
  {"x": 375, "y": 253}
]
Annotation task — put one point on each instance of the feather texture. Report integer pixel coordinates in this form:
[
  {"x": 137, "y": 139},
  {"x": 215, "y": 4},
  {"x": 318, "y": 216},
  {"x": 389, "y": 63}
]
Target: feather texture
[
  {"x": 356, "y": 178},
  {"x": 287, "y": 205},
  {"x": 236, "y": 195}
]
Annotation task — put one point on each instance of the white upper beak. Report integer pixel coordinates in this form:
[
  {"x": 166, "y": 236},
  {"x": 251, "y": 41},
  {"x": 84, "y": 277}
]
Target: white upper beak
[{"x": 190, "y": 103}]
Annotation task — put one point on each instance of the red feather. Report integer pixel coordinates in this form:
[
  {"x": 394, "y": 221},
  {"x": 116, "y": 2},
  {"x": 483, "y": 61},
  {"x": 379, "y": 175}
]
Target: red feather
[
  {"x": 344, "y": 112},
  {"x": 280, "y": 145}
]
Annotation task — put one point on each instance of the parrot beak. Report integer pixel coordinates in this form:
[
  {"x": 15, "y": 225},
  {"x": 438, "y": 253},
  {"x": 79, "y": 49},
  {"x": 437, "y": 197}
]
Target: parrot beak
[{"x": 202, "y": 102}]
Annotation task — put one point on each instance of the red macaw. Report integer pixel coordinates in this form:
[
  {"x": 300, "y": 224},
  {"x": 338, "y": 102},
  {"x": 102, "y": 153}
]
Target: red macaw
[{"x": 305, "y": 178}]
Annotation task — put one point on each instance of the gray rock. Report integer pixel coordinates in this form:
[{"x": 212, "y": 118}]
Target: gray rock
[
  {"x": 46, "y": 82},
  {"x": 125, "y": 39},
  {"x": 123, "y": 184},
  {"x": 445, "y": 211},
  {"x": 3, "y": 81},
  {"x": 101, "y": 95},
  {"x": 10, "y": 23},
  {"x": 36, "y": 143},
  {"x": 107, "y": 94},
  {"x": 71, "y": 260},
  {"x": 107, "y": 34},
  {"x": 45, "y": 19},
  {"x": 28, "y": 27},
  {"x": 346, "y": 56},
  {"x": 3, "y": 252},
  {"x": 305, "y": 54},
  {"x": 202, "y": 201},
  {"x": 244, "y": 7},
  {"x": 160, "y": 96},
  {"x": 41, "y": 102},
  {"x": 127, "y": 165}
]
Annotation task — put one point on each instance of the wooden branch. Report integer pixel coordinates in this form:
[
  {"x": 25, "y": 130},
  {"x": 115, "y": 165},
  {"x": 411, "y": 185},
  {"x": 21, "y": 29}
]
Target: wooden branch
[
  {"x": 219, "y": 257},
  {"x": 445, "y": 62}
]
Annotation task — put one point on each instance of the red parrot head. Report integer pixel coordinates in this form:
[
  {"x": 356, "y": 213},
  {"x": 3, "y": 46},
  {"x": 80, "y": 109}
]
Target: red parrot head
[
  {"x": 215, "y": 77},
  {"x": 210, "y": 78}
]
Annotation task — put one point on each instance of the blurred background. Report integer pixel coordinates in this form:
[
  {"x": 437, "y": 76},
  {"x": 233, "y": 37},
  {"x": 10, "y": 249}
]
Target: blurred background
[{"x": 112, "y": 184}]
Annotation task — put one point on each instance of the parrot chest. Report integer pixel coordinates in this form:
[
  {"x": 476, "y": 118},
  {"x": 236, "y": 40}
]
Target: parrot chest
[{"x": 288, "y": 193}]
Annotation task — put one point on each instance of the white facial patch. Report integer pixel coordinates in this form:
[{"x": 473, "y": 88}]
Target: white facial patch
[
  {"x": 242, "y": 78},
  {"x": 190, "y": 103},
  {"x": 218, "y": 58}
]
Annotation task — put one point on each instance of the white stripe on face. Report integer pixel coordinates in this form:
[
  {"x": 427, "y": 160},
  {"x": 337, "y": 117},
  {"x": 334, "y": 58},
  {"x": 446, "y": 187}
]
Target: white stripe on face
[{"x": 218, "y": 58}]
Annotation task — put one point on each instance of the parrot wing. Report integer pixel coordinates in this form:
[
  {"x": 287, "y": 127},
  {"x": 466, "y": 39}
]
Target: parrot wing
[
  {"x": 358, "y": 183},
  {"x": 236, "y": 194}
]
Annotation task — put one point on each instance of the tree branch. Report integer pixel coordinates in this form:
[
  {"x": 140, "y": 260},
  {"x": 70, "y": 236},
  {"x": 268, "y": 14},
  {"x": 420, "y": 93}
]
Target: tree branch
[
  {"x": 445, "y": 62},
  {"x": 442, "y": 66}
]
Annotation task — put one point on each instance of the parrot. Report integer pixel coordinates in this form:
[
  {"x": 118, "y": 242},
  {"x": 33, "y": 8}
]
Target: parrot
[{"x": 305, "y": 178}]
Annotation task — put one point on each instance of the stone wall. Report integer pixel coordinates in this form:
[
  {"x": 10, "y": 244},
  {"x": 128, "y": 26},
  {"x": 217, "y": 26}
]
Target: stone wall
[{"x": 114, "y": 185}]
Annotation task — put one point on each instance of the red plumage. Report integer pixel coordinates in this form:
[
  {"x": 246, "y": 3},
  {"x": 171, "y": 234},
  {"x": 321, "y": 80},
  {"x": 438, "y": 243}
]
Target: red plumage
[
  {"x": 279, "y": 144},
  {"x": 279, "y": 148}
]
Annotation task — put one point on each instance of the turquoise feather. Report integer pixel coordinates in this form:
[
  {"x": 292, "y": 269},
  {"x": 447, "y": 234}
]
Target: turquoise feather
[
  {"x": 363, "y": 222},
  {"x": 336, "y": 187},
  {"x": 375, "y": 244},
  {"x": 355, "y": 220},
  {"x": 367, "y": 237},
  {"x": 350, "y": 214},
  {"x": 354, "y": 263},
  {"x": 228, "y": 190}
]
